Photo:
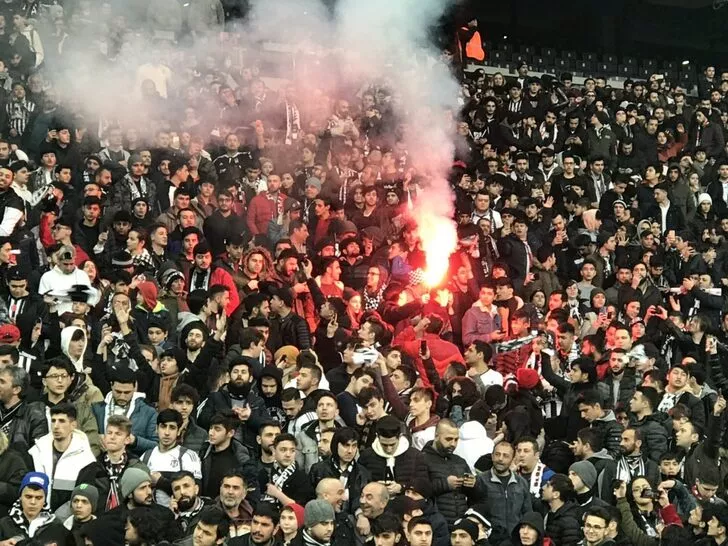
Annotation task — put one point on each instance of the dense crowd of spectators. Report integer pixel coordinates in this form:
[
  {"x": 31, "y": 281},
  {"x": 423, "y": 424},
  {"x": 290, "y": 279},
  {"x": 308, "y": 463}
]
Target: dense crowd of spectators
[{"x": 214, "y": 326}]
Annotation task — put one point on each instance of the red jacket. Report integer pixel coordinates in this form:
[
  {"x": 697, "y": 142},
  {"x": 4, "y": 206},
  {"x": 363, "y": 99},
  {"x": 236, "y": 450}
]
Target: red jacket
[
  {"x": 261, "y": 211},
  {"x": 220, "y": 276},
  {"x": 443, "y": 352}
]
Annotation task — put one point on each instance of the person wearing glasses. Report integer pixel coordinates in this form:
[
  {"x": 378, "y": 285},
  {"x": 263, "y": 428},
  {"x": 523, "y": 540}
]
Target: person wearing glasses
[{"x": 63, "y": 384}]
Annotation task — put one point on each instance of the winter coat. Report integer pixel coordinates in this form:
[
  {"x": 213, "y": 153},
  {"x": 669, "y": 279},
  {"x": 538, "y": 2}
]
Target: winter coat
[
  {"x": 194, "y": 437},
  {"x": 95, "y": 474},
  {"x": 564, "y": 525},
  {"x": 307, "y": 453},
  {"x": 610, "y": 431},
  {"x": 359, "y": 476},
  {"x": 12, "y": 469},
  {"x": 532, "y": 519},
  {"x": 633, "y": 532},
  {"x": 654, "y": 435},
  {"x": 51, "y": 531},
  {"x": 242, "y": 456},
  {"x": 506, "y": 503},
  {"x": 143, "y": 419},
  {"x": 451, "y": 503},
  {"x": 606, "y": 473},
  {"x": 704, "y": 454},
  {"x": 222, "y": 401},
  {"x": 63, "y": 473},
  {"x": 406, "y": 465},
  {"x": 27, "y": 426},
  {"x": 479, "y": 323}
]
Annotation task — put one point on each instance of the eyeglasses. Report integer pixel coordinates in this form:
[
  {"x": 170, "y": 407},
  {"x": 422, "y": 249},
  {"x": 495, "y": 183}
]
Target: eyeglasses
[
  {"x": 57, "y": 376},
  {"x": 594, "y": 527}
]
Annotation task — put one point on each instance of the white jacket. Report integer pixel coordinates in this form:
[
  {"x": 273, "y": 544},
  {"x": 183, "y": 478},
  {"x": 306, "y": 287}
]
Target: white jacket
[
  {"x": 56, "y": 282},
  {"x": 77, "y": 456}
]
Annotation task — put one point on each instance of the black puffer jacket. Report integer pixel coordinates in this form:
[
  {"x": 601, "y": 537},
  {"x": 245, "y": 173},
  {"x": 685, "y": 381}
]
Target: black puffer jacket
[
  {"x": 610, "y": 432},
  {"x": 563, "y": 526},
  {"x": 654, "y": 433},
  {"x": 409, "y": 463},
  {"x": 451, "y": 503},
  {"x": 28, "y": 424},
  {"x": 12, "y": 470}
]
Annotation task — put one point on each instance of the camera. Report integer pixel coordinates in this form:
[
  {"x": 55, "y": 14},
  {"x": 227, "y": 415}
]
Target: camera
[{"x": 650, "y": 494}]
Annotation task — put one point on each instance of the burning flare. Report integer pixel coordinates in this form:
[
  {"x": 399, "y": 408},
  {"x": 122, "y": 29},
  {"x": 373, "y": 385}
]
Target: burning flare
[{"x": 439, "y": 239}]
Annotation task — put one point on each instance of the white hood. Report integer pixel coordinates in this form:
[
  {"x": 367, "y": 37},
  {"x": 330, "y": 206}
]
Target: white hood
[{"x": 474, "y": 443}]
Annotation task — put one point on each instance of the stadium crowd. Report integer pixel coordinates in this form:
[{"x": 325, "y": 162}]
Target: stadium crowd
[{"x": 214, "y": 326}]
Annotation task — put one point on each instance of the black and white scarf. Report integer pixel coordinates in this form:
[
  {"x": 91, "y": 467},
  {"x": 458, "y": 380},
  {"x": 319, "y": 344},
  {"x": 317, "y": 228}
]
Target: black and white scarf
[
  {"x": 114, "y": 471},
  {"x": 19, "y": 519},
  {"x": 308, "y": 540},
  {"x": 279, "y": 477},
  {"x": 293, "y": 123},
  {"x": 7, "y": 416},
  {"x": 199, "y": 280},
  {"x": 627, "y": 467},
  {"x": 137, "y": 192},
  {"x": 371, "y": 303}
]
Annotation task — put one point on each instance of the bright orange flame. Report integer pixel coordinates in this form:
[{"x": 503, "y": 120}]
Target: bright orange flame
[{"x": 439, "y": 239}]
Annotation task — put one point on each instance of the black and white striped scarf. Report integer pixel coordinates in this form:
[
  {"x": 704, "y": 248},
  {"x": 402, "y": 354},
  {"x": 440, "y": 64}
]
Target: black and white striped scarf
[
  {"x": 293, "y": 123},
  {"x": 279, "y": 477}
]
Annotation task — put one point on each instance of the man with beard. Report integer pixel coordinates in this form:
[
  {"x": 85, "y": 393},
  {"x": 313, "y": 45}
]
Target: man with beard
[
  {"x": 270, "y": 387},
  {"x": 222, "y": 454},
  {"x": 263, "y": 528},
  {"x": 449, "y": 474},
  {"x": 318, "y": 524},
  {"x": 288, "y": 328},
  {"x": 499, "y": 487},
  {"x": 186, "y": 502},
  {"x": 203, "y": 276},
  {"x": 237, "y": 396},
  {"x": 223, "y": 223},
  {"x": 266, "y": 440},
  {"x": 232, "y": 500},
  {"x": 633, "y": 462}
]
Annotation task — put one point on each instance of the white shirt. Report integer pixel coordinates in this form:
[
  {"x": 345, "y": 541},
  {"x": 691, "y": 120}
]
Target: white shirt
[
  {"x": 491, "y": 377},
  {"x": 663, "y": 212},
  {"x": 173, "y": 461}
]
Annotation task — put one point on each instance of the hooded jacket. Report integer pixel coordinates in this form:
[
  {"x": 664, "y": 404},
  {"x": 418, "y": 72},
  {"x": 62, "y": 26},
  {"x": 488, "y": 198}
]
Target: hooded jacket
[
  {"x": 654, "y": 434},
  {"x": 606, "y": 473},
  {"x": 474, "y": 443},
  {"x": 535, "y": 521},
  {"x": 406, "y": 465},
  {"x": 66, "y": 336},
  {"x": 452, "y": 503},
  {"x": 63, "y": 473}
]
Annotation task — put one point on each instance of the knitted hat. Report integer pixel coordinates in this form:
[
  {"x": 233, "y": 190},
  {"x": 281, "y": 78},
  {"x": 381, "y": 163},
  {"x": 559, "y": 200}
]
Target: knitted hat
[
  {"x": 527, "y": 378},
  {"x": 133, "y": 478},
  {"x": 168, "y": 276},
  {"x": 317, "y": 511},
  {"x": 314, "y": 182},
  {"x": 297, "y": 510},
  {"x": 467, "y": 526},
  {"x": 35, "y": 479},
  {"x": 421, "y": 486},
  {"x": 586, "y": 471},
  {"x": 704, "y": 198},
  {"x": 87, "y": 491}
]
